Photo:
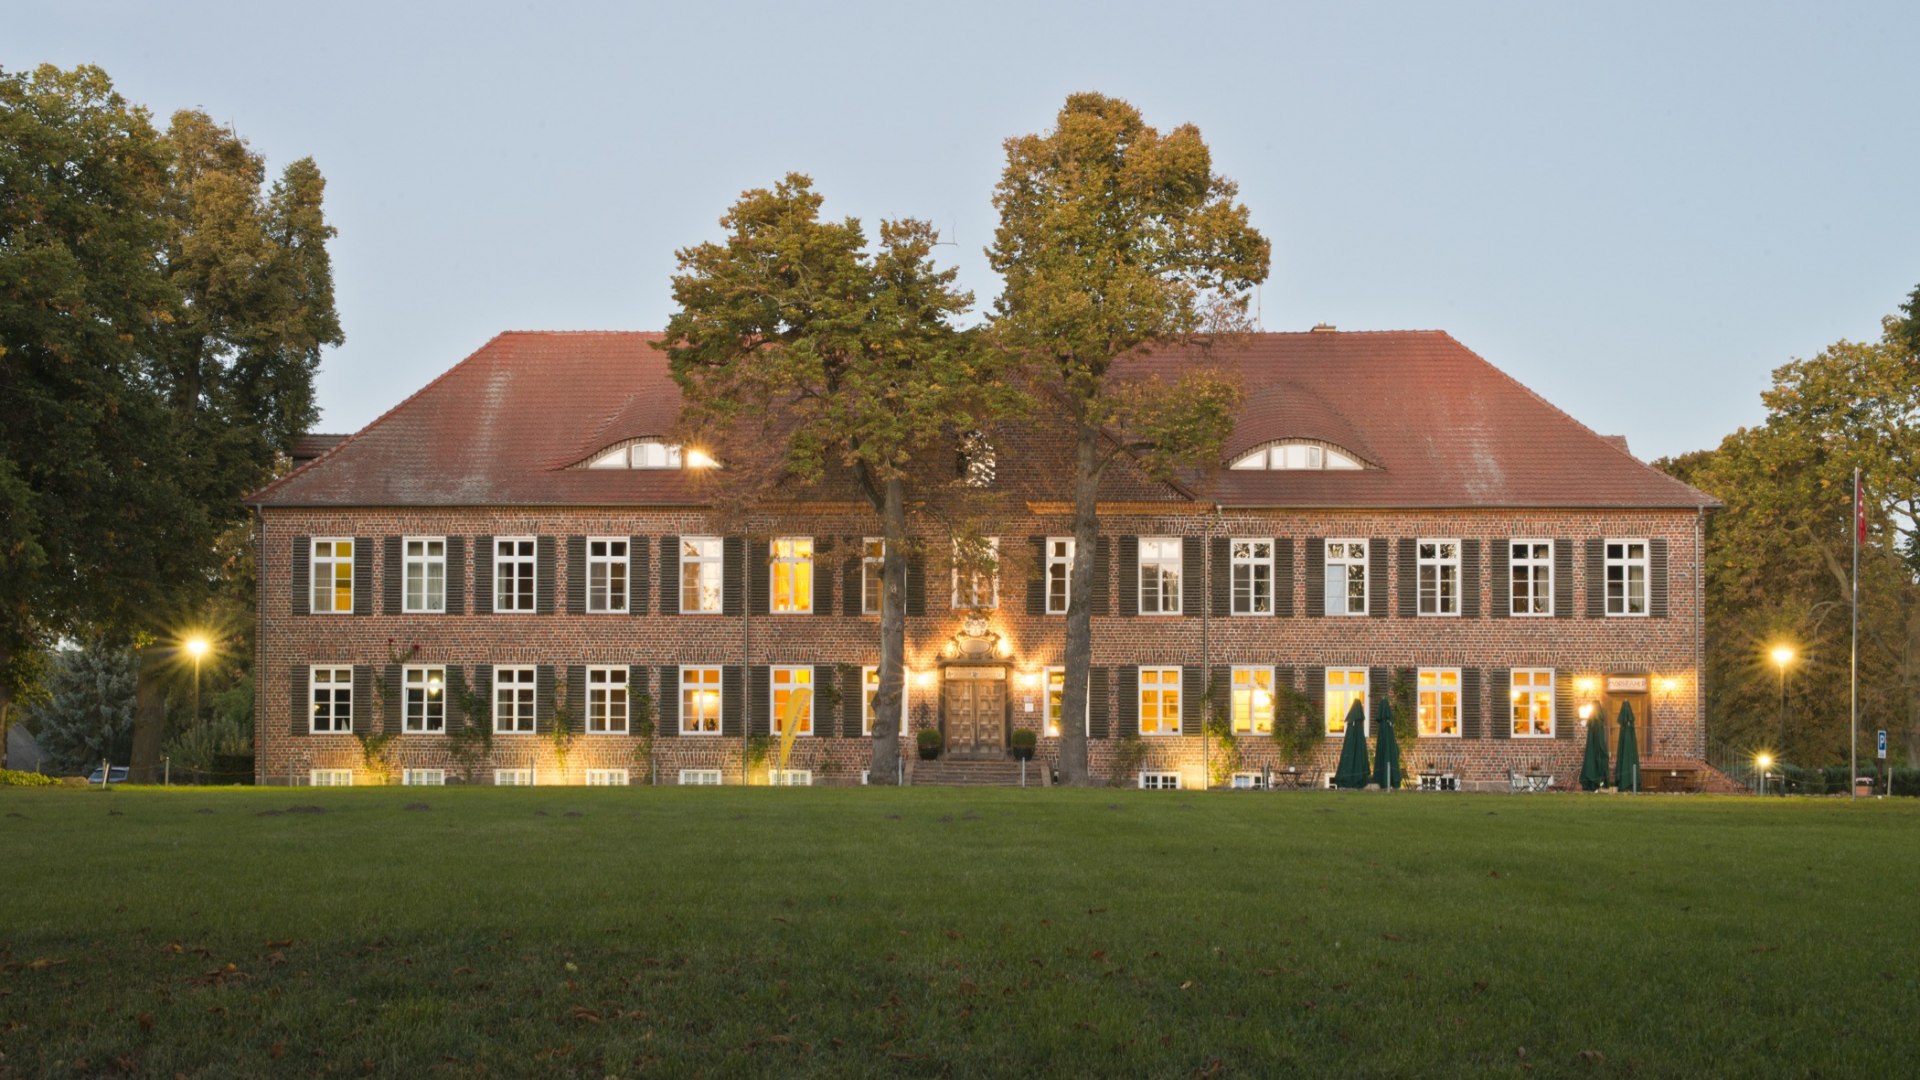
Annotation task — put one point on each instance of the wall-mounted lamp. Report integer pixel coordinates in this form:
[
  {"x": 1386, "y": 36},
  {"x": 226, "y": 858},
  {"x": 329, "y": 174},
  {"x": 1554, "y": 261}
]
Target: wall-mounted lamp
[{"x": 923, "y": 679}]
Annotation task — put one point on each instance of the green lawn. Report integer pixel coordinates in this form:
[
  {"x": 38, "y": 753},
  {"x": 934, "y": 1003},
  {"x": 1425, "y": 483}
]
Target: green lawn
[{"x": 622, "y": 932}]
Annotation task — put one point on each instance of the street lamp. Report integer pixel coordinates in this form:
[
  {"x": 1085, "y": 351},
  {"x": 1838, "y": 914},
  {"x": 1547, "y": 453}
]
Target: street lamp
[
  {"x": 196, "y": 647},
  {"x": 1765, "y": 761},
  {"x": 1782, "y": 656}
]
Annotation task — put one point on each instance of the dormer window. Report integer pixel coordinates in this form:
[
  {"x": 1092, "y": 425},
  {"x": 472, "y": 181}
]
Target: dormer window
[
  {"x": 1297, "y": 454},
  {"x": 650, "y": 454}
]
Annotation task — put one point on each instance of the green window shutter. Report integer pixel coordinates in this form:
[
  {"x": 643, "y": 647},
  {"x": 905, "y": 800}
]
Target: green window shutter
[
  {"x": 395, "y": 575},
  {"x": 1502, "y": 578},
  {"x": 483, "y": 575},
  {"x": 826, "y": 697},
  {"x": 1193, "y": 575},
  {"x": 1098, "y": 603},
  {"x": 456, "y": 575},
  {"x": 669, "y": 705},
  {"x": 1563, "y": 711},
  {"x": 852, "y": 580},
  {"x": 916, "y": 584},
  {"x": 392, "y": 722},
  {"x": 362, "y": 575},
  {"x": 1129, "y": 576},
  {"x": 576, "y": 699},
  {"x": 301, "y": 717},
  {"x": 733, "y": 702},
  {"x": 760, "y": 575},
  {"x": 1377, "y": 578},
  {"x": 302, "y": 575},
  {"x": 543, "y": 548},
  {"x": 733, "y": 576},
  {"x": 1500, "y": 703},
  {"x": 1409, "y": 560},
  {"x": 759, "y": 701},
  {"x": 1221, "y": 578},
  {"x": 543, "y": 681},
  {"x": 639, "y": 575},
  {"x": 1469, "y": 579},
  {"x": 1563, "y": 580},
  {"x": 1471, "y": 710},
  {"x": 1098, "y": 708},
  {"x": 1283, "y": 576},
  {"x": 852, "y": 698},
  {"x": 1657, "y": 578},
  {"x": 1316, "y": 565},
  {"x": 363, "y": 721},
  {"x": 456, "y": 685},
  {"x": 1596, "y": 577},
  {"x": 1037, "y": 575},
  {"x": 1193, "y": 707},
  {"x": 1129, "y": 700},
  {"x": 576, "y": 575},
  {"x": 1314, "y": 685}
]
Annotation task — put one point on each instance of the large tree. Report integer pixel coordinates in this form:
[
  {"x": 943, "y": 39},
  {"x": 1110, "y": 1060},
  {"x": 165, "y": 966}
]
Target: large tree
[
  {"x": 800, "y": 353},
  {"x": 1115, "y": 238}
]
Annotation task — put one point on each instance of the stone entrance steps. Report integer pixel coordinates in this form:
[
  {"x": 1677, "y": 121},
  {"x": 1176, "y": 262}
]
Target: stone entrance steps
[{"x": 951, "y": 772}]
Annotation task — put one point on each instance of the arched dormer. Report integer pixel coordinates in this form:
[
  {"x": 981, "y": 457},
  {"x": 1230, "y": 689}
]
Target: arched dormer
[
  {"x": 1297, "y": 454},
  {"x": 648, "y": 454}
]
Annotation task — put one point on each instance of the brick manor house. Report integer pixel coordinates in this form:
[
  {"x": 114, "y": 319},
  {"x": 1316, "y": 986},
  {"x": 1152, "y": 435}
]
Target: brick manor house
[{"x": 520, "y": 540}]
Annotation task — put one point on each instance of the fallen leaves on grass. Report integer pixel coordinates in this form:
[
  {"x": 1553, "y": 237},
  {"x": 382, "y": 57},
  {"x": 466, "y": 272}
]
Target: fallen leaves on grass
[
  {"x": 42, "y": 963},
  {"x": 1594, "y": 1057},
  {"x": 1391, "y": 937},
  {"x": 584, "y": 1014},
  {"x": 145, "y": 1020}
]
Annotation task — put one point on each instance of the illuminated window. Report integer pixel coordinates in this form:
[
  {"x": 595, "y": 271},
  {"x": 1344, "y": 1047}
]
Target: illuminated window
[
  {"x": 330, "y": 777},
  {"x": 423, "y": 777},
  {"x": 513, "y": 778},
  {"x": 873, "y": 569},
  {"x": 1159, "y": 701},
  {"x": 1439, "y": 702},
  {"x": 426, "y": 573},
  {"x": 332, "y": 691},
  {"x": 1439, "y": 577},
  {"x": 1160, "y": 559},
  {"x": 333, "y": 576},
  {"x": 606, "y": 778},
  {"x": 1530, "y": 569},
  {"x": 514, "y": 567},
  {"x": 1059, "y": 573},
  {"x": 1532, "y": 703},
  {"x": 426, "y": 701},
  {"x": 1626, "y": 577},
  {"x": 1252, "y": 700},
  {"x": 606, "y": 573},
  {"x": 1056, "y": 702},
  {"x": 792, "y": 575},
  {"x": 648, "y": 454},
  {"x": 787, "y": 682},
  {"x": 1252, "y": 577},
  {"x": 870, "y": 681},
  {"x": 606, "y": 700},
  {"x": 1345, "y": 688},
  {"x": 1346, "y": 577},
  {"x": 513, "y": 699},
  {"x": 701, "y": 563},
  {"x": 699, "y": 701},
  {"x": 979, "y": 585},
  {"x": 1296, "y": 455}
]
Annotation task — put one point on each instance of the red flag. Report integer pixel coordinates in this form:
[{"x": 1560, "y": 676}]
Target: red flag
[{"x": 1859, "y": 512}]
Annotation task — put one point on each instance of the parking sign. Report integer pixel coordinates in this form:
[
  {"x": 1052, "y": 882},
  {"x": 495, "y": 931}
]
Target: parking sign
[{"x": 1883, "y": 745}]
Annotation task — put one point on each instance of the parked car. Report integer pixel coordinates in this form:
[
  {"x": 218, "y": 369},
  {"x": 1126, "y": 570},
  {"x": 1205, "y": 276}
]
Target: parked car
[{"x": 117, "y": 776}]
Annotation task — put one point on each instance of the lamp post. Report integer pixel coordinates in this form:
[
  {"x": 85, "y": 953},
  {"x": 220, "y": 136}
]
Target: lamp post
[
  {"x": 1782, "y": 656},
  {"x": 1765, "y": 762},
  {"x": 196, "y": 647}
]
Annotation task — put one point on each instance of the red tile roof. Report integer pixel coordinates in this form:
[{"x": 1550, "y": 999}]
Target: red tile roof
[{"x": 1437, "y": 425}]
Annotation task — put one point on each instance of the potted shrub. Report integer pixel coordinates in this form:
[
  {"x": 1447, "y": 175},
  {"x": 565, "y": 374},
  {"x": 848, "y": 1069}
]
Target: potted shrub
[
  {"x": 929, "y": 744},
  {"x": 1023, "y": 742}
]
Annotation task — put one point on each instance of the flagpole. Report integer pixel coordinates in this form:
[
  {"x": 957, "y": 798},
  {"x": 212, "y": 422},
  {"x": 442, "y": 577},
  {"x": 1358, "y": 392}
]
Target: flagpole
[{"x": 1853, "y": 662}]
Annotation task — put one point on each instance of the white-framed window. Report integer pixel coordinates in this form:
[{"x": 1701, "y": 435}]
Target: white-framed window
[
  {"x": 790, "y": 777},
  {"x": 1248, "y": 781},
  {"x": 425, "y": 701},
  {"x": 330, "y": 777},
  {"x": 701, "y": 778},
  {"x": 514, "y": 566},
  {"x": 1530, "y": 571},
  {"x": 792, "y": 582},
  {"x": 1439, "y": 576},
  {"x": 426, "y": 574},
  {"x": 332, "y": 576},
  {"x": 1057, "y": 702},
  {"x": 513, "y": 778},
  {"x": 606, "y": 700},
  {"x": 699, "y": 700},
  {"x": 870, "y": 683},
  {"x": 1252, "y": 700},
  {"x": 1160, "y": 566},
  {"x": 1345, "y": 687},
  {"x": 1059, "y": 573},
  {"x": 1531, "y": 703},
  {"x": 1438, "y": 702},
  {"x": 606, "y": 778},
  {"x": 513, "y": 697},
  {"x": 1346, "y": 577},
  {"x": 645, "y": 454},
  {"x": 331, "y": 688},
  {"x": 1159, "y": 780},
  {"x": 1626, "y": 577},
  {"x": 788, "y": 680},
  {"x": 1159, "y": 701},
  {"x": 873, "y": 568},
  {"x": 979, "y": 586},
  {"x": 1252, "y": 569},
  {"x": 607, "y": 570},
  {"x": 423, "y": 777},
  {"x": 701, "y": 564},
  {"x": 1296, "y": 455}
]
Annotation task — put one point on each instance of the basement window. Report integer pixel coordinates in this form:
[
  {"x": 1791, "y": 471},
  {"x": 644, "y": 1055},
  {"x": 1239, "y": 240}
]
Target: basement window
[
  {"x": 700, "y": 777},
  {"x": 1159, "y": 781}
]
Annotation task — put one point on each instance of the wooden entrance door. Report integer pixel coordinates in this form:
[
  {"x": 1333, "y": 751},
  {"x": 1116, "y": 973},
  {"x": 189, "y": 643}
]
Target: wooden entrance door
[
  {"x": 1628, "y": 690},
  {"x": 976, "y": 705}
]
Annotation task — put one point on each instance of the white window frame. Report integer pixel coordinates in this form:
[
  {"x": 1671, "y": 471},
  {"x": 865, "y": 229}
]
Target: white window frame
[
  {"x": 514, "y": 557},
  {"x": 689, "y": 688},
  {"x": 329, "y": 777},
  {"x": 974, "y": 579},
  {"x": 423, "y": 777},
  {"x": 607, "y": 565},
  {"x": 873, "y": 566},
  {"x": 702, "y": 778},
  {"x": 1539, "y": 690},
  {"x": 432, "y": 699},
  {"x": 792, "y": 558},
  {"x": 1538, "y": 575},
  {"x": 1446, "y": 587},
  {"x": 521, "y": 689},
  {"x": 610, "y": 682},
  {"x": 709, "y": 565},
  {"x": 790, "y": 777},
  {"x": 1247, "y": 781},
  {"x": 334, "y": 684},
  {"x": 419, "y": 566},
  {"x": 513, "y": 778},
  {"x": 334, "y": 564},
  {"x": 1049, "y": 722},
  {"x": 1160, "y": 689},
  {"x": 1166, "y": 601},
  {"x": 1159, "y": 780},
  {"x": 608, "y": 778},
  {"x": 1345, "y": 562},
  {"x": 869, "y": 687},
  {"x": 1431, "y": 690},
  {"x": 775, "y": 690},
  {"x": 1626, "y": 563},
  {"x": 1336, "y": 719},
  {"x": 1248, "y": 691},
  {"x": 1058, "y": 570},
  {"x": 1248, "y": 564}
]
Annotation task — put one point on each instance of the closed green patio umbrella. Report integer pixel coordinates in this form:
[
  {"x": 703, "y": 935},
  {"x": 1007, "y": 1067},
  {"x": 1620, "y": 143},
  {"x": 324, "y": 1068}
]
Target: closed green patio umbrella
[
  {"x": 1352, "y": 772},
  {"x": 1386, "y": 752},
  {"x": 1626, "y": 774},
  {"x": 1593, "y": 770}
]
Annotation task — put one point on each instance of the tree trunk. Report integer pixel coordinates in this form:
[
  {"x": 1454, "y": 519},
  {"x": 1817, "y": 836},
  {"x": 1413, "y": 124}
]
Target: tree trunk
[
  {"x": 6, "y": 704},
  {"x": 888, "y": 697},
  {"x": 149, "y": 714},
  {"x": 1086, "y": 533}
]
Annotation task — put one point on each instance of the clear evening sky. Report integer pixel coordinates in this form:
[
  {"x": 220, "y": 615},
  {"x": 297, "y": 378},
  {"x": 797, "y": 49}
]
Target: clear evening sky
[{"x": 1637, "y": 209}]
